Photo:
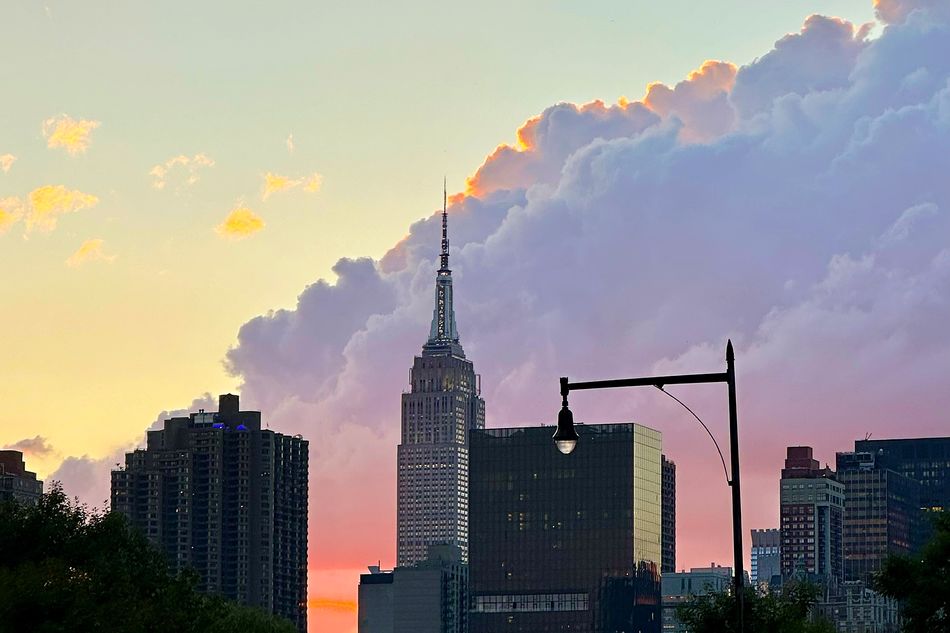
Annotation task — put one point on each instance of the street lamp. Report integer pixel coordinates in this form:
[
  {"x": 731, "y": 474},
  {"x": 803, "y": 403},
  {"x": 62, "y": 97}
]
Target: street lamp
[{"x": 566, "y": 440}]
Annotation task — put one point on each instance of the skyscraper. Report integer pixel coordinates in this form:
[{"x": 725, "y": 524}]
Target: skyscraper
[
  {"x": 16, "y": 482},
  {"x": 669, "y": 515},
  {"x": 566, "y": 542},
  {"x": 443, "y": 404},
  {"x": 812, "y": 505},
  {"x": 925, "y": 460},
  {"x": 766, "y": 556},
  {"x": 882, "y": 509},
  {"x": 218, "y": 494}
]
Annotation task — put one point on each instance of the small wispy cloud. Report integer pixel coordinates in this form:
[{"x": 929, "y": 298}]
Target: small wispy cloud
[
  {"x": 290, "y": 144},
  {"x": 6, "y": 162},
  {"x": 89, "y": 251},
  {"x": 68, "y": 133},
  {"x": 11, "y": 210},
  {"x": 275, "y": 183},
  {"x": 313, "y": 183},
  {"x": 240, "y": 223},
  {"x": 37, "y": 446},
  {"x": 190, "y": 166},
  {"x": 48, "y": 202}
]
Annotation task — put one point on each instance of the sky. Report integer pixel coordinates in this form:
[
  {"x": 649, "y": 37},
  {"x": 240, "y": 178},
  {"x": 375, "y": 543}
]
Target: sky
[{"x": 201, "y": 199}]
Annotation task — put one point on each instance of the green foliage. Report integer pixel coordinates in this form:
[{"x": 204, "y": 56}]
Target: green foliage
[
  {"x": 65, "y": 568},
  {"x": 922, "y": 582},
  {"x": 785, "y": 612}
]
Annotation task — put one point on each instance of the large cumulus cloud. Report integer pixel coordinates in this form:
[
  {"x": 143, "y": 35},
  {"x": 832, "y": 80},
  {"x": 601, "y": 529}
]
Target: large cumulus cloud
[{"x": 798, "y": 204}]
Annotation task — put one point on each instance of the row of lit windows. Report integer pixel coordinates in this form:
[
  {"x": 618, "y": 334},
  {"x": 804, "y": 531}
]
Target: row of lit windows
[{"x": 544, "y": 602}]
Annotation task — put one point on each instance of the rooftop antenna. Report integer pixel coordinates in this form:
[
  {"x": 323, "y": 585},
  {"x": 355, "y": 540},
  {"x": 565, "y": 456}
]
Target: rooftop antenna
[{"x": 444, "y": 257}]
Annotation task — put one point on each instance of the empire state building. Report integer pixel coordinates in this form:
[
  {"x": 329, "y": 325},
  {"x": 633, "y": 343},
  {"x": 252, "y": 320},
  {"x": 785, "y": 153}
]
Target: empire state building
[{"x": 442, "y": 405}]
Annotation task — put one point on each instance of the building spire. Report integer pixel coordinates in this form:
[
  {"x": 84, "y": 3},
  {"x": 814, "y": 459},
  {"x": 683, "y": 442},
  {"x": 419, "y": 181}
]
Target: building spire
[
  {"x": 443, "y": 335},
  {"x": 444, "y": 257}
]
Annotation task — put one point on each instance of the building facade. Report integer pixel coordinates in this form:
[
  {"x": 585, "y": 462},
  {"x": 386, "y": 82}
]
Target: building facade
[
  {"x": 926, "y": 460},
  {"x": 375, "y": 602},
  {"x": 679, "y": 587},
  {"x": 882, "y": 511},
  {"x": 766, "y": 559},
  {"x": 16, "y": 482},
  {"x": 669, "y": 515},
  {"x": 428, "y": 597},
  {"x": 442, "y": 405},
  {"x": 218, "y": 494},
  {"x": 812, "y": 514},
  {"x": 566, "y": 542}
]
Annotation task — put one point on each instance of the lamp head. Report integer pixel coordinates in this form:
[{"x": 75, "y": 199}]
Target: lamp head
[{"x": 565, "y": 438}]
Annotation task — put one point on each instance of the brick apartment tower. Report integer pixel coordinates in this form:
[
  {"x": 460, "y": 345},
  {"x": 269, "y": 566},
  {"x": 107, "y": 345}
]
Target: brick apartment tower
[{"x": 812, "y": 508}]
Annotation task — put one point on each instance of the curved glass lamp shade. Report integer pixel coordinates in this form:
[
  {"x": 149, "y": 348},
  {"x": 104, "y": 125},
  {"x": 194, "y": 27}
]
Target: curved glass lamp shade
[{"x": 565, "y": 438}]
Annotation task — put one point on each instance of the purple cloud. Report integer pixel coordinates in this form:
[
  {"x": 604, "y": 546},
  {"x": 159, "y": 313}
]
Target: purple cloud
[{"x": 801, "y": 211}]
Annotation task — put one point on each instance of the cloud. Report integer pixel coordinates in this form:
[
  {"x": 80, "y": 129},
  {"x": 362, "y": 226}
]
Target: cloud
[
  {"x": 274, "y": 183},
  {"x": 6, "y": 162},
  {"x": 68, "y": 133},
  {"x": 49, "y": 202},
  {"x": 700, "y": 102},
  {"x": 37, "y": 446},
  {"x": 188, "y": 167},
  {"x": 88, "y": 478},
  {"x": 290, "y": 143},
  {"x": 799, "y": 206},
  {"x": 240, "y": 223},
  {"x": 312, "y": 184},
  {"x": 89, "y": 251},
  {"x": 819, "y": 58},
  {"x": 897, "y": 11},
  {"x": 11, "y": 210}
]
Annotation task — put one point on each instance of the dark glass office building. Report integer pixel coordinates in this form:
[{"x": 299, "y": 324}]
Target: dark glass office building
[
  {"x": 925, "y": 460},
  {"x": 565, "y": 542},
  {"x": 881, "y": 512}
]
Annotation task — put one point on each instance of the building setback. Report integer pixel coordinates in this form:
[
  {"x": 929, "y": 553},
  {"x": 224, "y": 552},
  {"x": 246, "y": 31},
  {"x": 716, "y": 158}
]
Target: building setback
[
  {"x": 669, "y": 515},
  {"x": 16, "y": 482},
  {"x": 566, "y": 542},
  {"x": 766, "y": 556},
  {"x": 812, "y": 508},
  {"x": 443, "y": 404},
  {"x": 882, "y": 509},
  {"x": 218, "y": 494}
]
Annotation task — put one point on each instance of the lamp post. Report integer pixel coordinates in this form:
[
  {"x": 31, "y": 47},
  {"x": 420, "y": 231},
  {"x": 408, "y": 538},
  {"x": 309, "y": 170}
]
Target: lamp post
[{"x": 565, "y": 438}]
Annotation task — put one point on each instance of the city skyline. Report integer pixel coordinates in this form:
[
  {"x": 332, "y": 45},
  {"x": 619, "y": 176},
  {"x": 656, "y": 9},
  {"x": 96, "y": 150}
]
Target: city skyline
[{"x": 629, "y": 236}]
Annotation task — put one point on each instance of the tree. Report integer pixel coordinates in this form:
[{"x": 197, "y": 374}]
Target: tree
[
  {"x": 785, "y": 612},
  {"x": 66, "y": 568},
  {"x": 922, "y": 582}
]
